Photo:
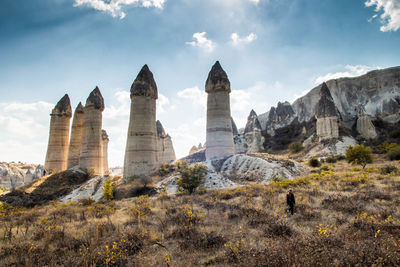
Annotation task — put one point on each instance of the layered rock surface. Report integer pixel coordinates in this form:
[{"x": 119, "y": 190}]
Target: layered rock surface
[
  {"x": 57, "y": 149},
  {"x": 75, "y": 143},
  {"x": 166, "y": 152},
  {"x": 13, "y": 175}
]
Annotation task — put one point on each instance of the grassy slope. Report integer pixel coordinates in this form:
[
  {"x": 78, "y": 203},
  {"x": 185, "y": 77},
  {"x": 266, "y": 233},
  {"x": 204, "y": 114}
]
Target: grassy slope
[{"x": 343, "y": 217}]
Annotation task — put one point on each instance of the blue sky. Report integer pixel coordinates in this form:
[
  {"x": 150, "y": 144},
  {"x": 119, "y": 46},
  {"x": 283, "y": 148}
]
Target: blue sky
[{"x": 272, "y": 50}]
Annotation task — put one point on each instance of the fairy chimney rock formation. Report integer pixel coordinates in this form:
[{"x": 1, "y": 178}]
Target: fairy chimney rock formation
[
  {"x": 57, "y": 149},
  {"x": 141, "y": 154},
  {"x": 252, "y": 134},
  {"x": 105, "y": 140},
  {"x": 166, "y": 152},
  {"x": 327, "y": 115},
  {"x": 365, "y": 127},
  {"x": 219, "y": 137},
  {"x": 91, "y": 156},
  {"x": 76, "y": 137}
]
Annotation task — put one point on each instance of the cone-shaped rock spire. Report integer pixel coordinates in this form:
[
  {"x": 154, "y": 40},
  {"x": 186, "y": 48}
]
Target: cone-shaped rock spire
[
  {"x": 95, "y": 99},
  {"x": 217, "y": 80},
  {"x": 91, "y": 156},
  {"x": 219, "y": 138},
  {"x": 76, "y": 137},
  {"x": 144, "y": 84},
  {"x": 105, "y": 139},
  {"x": 234, "y": 127},
  {"x": 160, "y": 129},
  {"x": 326, "y": 106},
  {"x": 57, "y": 149},
  {"x": 252, "y": 122}
]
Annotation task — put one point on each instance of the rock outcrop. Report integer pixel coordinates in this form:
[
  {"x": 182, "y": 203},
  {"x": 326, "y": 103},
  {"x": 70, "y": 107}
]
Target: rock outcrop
[
  {"x": 13, "y": 175},
  {"x": 365, "y": 127},
  {"x": 327, "y": 115},
  {"x": 219, "y": 137},
  {"x": 141, "y": 149},
  {"x": 252, "y": 134},
  {"x": 166, "y": 152},
  {"x": 75, "y": 142},
  {"x": 105, "y": 140},
  {"x": 91, "y": 156},
  {"x": 57, "y": 149}
]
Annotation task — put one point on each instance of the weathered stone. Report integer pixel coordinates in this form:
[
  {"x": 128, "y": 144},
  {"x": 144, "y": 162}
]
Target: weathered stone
[
  {"x": 365, "y": 127},
  {"x": 141, "y": 154},
  {"x": 219, "y": 138},
  {"x": 91, "y": 156},
  {"x": 234, "y": 128},
  {"x": 57, "y": 149},
  {"x": 75, "y": 142},
  {"x": 327, "y": 115},
  {"x": 105, "y": 140},
  {"x": 166, "y": 152},
  {"x": 193, "y": 150}
]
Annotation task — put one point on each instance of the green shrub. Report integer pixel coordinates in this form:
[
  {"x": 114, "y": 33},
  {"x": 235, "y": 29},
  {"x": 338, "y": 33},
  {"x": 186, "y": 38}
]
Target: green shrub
[
  {"x": 340, "y": 157},
  {"x": 385, "y": 147},
  {"x": 180, "y": 164},
  {"x": 395, "y": 134},
  {"x": 296, "y": 147},
  {"x": 331, "y": 160},
  {"x": 389, "y": 169},
  {"x": 166, "y": 169},
  {"x": 394, "y": 153},
  {"x": 313, "y": 162},
  {"x": 191, "y": 177},
  {"x": 359, "y": 155},
  {"x": 91, "y": 173},
  {"x": 325, "y": 168},
  {"x": 108, "y": 189}
]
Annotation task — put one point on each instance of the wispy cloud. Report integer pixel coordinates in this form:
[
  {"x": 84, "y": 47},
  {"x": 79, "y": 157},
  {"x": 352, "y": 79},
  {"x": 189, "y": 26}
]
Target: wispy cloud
[
  {"x": 351, "y": 71},
  {"x": 200, "y": 40},
  {"x": 115, "y": 7},
  {"x": 237, "y": 40},
  {"x": 390, "y": 16}
]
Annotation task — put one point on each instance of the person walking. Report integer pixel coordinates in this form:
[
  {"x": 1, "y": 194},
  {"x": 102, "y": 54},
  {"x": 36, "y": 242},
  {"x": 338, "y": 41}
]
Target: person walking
[{"x": 290, "y": 201}]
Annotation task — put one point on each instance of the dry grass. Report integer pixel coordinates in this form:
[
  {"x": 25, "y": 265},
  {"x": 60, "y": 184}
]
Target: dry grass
[{"x": 344, "y": 216}]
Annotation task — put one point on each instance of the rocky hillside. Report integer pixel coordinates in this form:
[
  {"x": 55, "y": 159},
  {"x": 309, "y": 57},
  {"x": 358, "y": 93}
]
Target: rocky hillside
[
  {"x": 13, "y": 175},
  {"x": 368, "y": 108}
]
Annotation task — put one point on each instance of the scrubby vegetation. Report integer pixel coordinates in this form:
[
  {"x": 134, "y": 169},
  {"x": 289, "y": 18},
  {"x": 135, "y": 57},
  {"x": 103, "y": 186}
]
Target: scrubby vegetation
[
  {"x": 296, "y": 147},
  {"x": 343, "y": 217},
  {"x": 359, "y": 155},
  {"x": 313, "y": 162},
  {"x": 191, "y": 177}
]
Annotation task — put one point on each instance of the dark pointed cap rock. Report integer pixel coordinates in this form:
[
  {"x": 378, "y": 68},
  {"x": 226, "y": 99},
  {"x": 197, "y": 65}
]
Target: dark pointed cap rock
[
  {"x": 63, "y": 107},
  {"x": 326, "y": 106},
  {"x": 234, "y": 127},
  {"x": 217, "y": 80},
  {"x": 104, "y": 135},
  {"x": 95, "y": 99},
  {"x": 79, "y": 108},
  {"x": 144, "y": 84},
  {"x": 252, "y": 122},
  {"x": 160, "y": 129}
]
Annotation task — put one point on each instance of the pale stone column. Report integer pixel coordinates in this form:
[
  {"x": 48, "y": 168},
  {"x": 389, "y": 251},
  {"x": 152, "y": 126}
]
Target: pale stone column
[
  {"x": 105, "y": 139},
  {"x": 141, "y": 157},
  {"x": 165, "y": 148},
  {"x": 57, "y": 149},
  {"x": 91, "y": 147},
  {"x": 219, "y": 139},
  {"x": 76, "y": 137}
]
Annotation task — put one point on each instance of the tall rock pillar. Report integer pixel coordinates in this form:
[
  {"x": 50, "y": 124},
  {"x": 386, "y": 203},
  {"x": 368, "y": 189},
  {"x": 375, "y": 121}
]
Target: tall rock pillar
[
  {"x": 57, "y": 149},
  {"x": 219, "y": 138},
  {"x": 141, "y": 157},
  {"x": 105, "y": 139},
  {"x": 327, "y": 115},
  {"x": 166, "y": 152},
  {"x": 76, "y": 137},
  {"x": 91, "y": 156}
]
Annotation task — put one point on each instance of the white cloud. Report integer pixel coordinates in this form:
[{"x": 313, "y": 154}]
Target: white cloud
[
  {"x": 236, "y": 40},
  {"x": 390, "y": 13},
  {"x": 351, "y": 71},
  {"x": 200, "y": 40},
  {"x": 114, "y": 7},
  {"x": 195, "y": 95},
  {"x": 255, "y": 1},
  {"x": 24, "y": 131}
]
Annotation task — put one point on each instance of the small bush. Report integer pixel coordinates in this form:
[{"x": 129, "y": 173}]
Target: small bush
[
  {"x": 166, "y": 169},
  {"x": 296, "y": 147},
  {"x": 340, "y": 157},
  {"x": 314, "y": 163},
  {"x": 389, "y": 169},
  {"x": 385, "y": 147},
  {"x": 394, "y": 153},
  {"x": 325, "y": 168},
  {"x": 191, "y": 177},
  {"x": 359, "y": 155},
  {"x": 395, "y": 134},
  {"x": 331, "y": 160},
  {"x": 108, "y": 189},
  {"x": 180, "y": 164},
  {"x": 91, "y": 173}
]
